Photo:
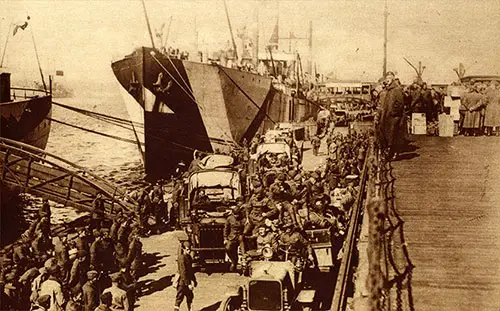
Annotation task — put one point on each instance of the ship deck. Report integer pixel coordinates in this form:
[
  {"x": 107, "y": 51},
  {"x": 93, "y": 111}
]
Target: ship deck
[{"x": 448, "y": 195}]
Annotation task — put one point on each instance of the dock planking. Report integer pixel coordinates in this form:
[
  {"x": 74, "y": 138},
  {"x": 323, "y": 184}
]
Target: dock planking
[{"x": 448, "y": 194}]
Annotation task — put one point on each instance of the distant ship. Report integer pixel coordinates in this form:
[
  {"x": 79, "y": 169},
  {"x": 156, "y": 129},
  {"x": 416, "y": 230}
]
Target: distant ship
[
  {"x": 59, "y": 90},
  {"x": 186, "y": 106},
  {"x": 24, "y": 113}
]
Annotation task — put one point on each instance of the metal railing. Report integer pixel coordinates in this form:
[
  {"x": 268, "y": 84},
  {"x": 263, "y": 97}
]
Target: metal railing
[{"x": 345, "y": 273}]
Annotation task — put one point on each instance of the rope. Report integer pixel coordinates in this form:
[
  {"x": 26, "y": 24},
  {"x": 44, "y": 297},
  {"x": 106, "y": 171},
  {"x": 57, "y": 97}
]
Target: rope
[
  {"x": 94, "y": 132},
  {"x": 175, "y": 67},
  {"x": 117, "y": 137},
  {"x": 244, "y": 93},
  {"x": 92, "y": 113},
  {"x": 175, "y": 80},
  {"x": 38, "y": 59},
  {"x": 189, "y": 94}
]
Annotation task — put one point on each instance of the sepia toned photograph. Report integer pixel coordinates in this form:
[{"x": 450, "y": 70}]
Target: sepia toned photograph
[{"x": 249, "y": 155}]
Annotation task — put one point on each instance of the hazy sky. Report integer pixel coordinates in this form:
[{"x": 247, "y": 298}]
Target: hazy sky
[{"x": 82, "y": 37}]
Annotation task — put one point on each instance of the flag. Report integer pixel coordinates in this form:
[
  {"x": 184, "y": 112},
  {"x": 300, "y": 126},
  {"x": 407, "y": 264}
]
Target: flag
[
  {"x": 22, "y": 26},
  {"x": 59, "y": 73}
]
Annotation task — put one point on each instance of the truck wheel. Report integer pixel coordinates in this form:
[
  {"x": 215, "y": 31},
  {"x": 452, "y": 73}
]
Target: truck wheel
[{"x": 231, "y": 304}]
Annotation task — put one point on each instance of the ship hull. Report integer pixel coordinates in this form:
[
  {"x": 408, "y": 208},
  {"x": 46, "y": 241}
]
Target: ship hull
[
  {"x": 190, "y": 106},
  {"x": 27, "y": 120}
]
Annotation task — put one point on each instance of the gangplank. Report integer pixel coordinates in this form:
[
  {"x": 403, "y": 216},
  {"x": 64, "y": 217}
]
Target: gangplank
[{"x": 28, "y": 169}]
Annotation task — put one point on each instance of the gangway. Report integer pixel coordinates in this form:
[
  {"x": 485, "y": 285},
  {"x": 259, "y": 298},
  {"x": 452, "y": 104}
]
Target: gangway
[{"x": 35, "y": 171}]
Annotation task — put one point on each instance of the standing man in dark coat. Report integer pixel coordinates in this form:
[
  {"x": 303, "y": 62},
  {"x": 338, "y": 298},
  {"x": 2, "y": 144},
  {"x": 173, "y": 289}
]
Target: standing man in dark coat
[
  {"x": 392, "y": 117},
  {"x": 233, "y": 236},
  {"x": 186, "y": 281},
  {"x": 90, "y": 292}
]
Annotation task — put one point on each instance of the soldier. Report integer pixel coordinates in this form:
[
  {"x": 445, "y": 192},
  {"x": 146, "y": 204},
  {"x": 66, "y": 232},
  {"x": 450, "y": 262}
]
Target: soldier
[
  {"x": 266, "y": 238},
  {"x": 97, "y": 213},
  {"x": 78, "y": 273},
  {"x": 62, "y": 256},
  {"x": 106, "y": 302},
  {"x": 186, "y": 280},
  {"x": 44, "y": 210},
  {"x": 316, "y": 143},
  {"x": 53, "y": 287},
  {"x": 42, "y": 304},
  {"x": 294, "y": 245},
  {"x": 134, "y": 254},
  {"x": 119, "y": 296},
  {"x": 113, "y": 230},
  {"x": 392, "y": 128},
  {"x": 233, "y": 236},
  {"x": 90, "y": 291}
]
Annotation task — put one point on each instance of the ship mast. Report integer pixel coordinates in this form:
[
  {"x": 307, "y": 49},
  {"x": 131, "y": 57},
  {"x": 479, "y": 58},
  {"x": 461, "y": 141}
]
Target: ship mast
[
  {"x": 147, "y": 22},
  {"x": 231, "y": 31},
  {"x": 386, "y": 13},
  {"x": 255, "y": 40}
]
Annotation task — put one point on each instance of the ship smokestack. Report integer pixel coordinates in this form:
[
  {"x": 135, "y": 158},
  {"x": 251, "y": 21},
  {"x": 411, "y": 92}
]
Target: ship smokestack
[{"x": 4, "y": 87}]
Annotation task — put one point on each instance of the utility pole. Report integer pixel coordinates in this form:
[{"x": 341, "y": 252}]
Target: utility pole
[{"x": 386, "y": 13}]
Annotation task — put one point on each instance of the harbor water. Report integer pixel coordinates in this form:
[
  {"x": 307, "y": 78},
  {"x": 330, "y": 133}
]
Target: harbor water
[{"x": 115, "y": 160}]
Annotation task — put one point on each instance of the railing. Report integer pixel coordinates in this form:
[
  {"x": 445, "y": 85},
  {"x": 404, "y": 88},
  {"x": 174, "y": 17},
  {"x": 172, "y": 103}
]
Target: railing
[
  {"x": 345, "y": 273},
  {"x": 27, "y": 93},
  {"x": 36, "y": 171},
  {"x": 390, "y": 267}
]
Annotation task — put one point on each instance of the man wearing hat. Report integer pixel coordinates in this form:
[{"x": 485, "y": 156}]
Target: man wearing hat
[
  {"x": 79, "y": 269},
  {"x": 295, "y": 243},
  {"x": 233, "y": 236},
  {"x": 120, "y": 299},
  {"x": 186, "y": 279},
  {"x": 42, "y": 304},
  {"x": 52, "y": 286},
  {"x": 391, "y": 121},
  {"x": 90, "y": 291}
]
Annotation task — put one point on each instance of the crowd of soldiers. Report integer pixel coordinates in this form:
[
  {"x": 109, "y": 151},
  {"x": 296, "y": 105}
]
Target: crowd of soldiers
[
  {"x": 93, "y": 269},
  {"x": 480, "y": 109},
  {"x": 276, "y": 214}
]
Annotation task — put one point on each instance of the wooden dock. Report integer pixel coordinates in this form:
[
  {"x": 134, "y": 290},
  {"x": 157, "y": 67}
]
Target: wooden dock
[{"x": 448, "y": 194}]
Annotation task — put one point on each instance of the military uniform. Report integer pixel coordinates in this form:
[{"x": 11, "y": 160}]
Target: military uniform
[
  {"x": 185, "y": 280},
  {"x": 233, "y": 237},
  {"x": 90, "y": 295}
]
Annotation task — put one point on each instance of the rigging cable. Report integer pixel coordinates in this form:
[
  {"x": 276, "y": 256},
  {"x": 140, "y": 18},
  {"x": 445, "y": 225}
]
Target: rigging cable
[
  {"x": 191, "y": 96},
  {"x": 245, "y": 93}
]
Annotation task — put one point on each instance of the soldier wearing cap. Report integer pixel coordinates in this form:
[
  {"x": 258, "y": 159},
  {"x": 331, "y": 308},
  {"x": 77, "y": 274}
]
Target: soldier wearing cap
[
  {"x": 119, "y": 296},
  {"x": 134, "y": 254},
  {"x": 186, "y": 280},
  {"x": 79, "y": 269},
  {"x": 41, "y": 304},
  {"x": 106, "y": 302},
  {"x": 44, "y": 210},
  {"x": 391, "y": 131},
  {"x": 97, "y": 213},
  {"x": 295, "y": 244},
  {"x": 233, "y": 236},
  {"x": 52, "y": 286},
  {"x": 90, "y": 291}
]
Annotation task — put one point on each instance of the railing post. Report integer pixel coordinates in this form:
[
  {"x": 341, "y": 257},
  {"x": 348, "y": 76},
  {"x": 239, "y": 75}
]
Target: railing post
[
  {"x": 28, "y": 173},
  {"x": 6, "y": 160},
  {"x": 69, "y": 187}
]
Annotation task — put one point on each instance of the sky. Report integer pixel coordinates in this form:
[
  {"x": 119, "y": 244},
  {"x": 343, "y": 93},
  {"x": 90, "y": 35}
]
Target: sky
[{"x": 82, "y": 37}]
